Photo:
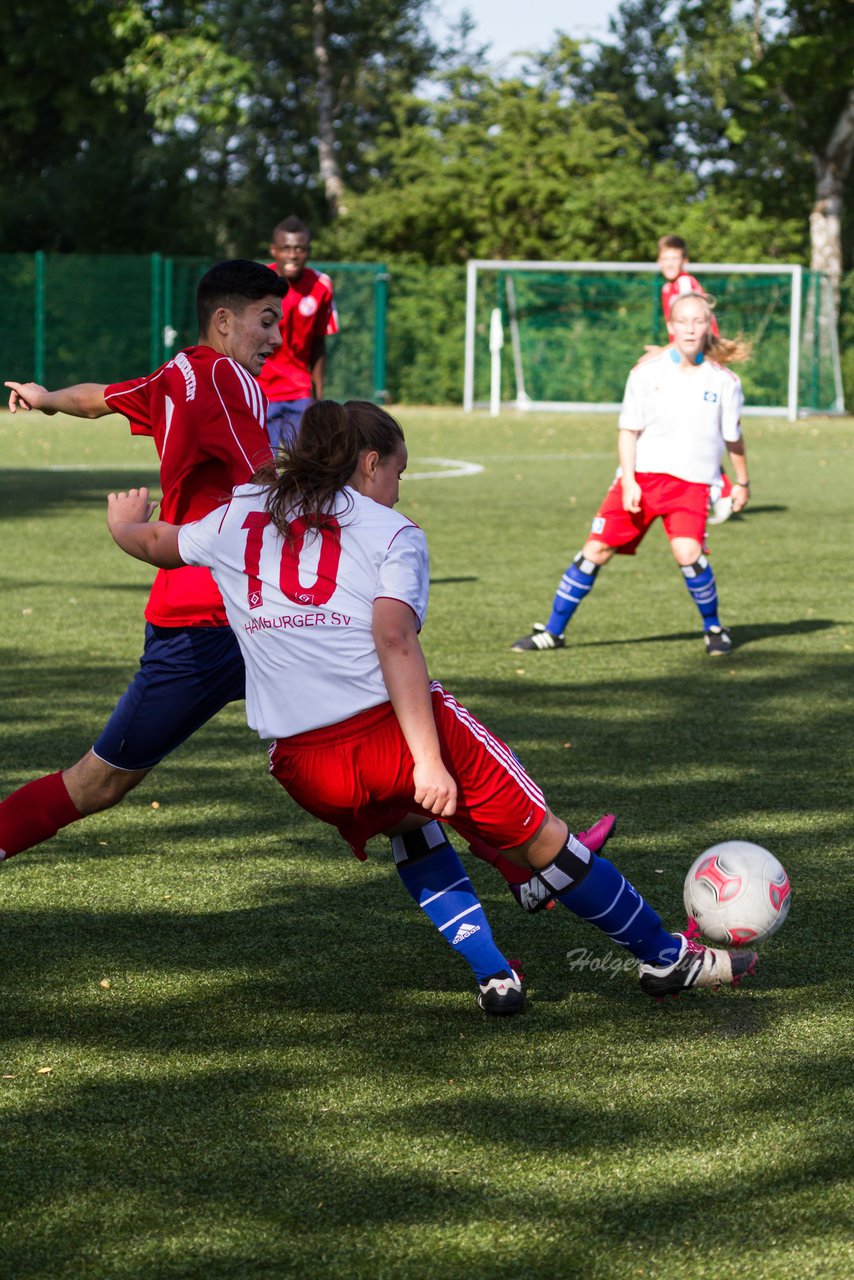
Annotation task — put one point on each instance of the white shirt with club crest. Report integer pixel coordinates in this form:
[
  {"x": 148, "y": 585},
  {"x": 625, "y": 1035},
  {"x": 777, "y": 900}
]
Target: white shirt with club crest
[{"x": 682, "y": 417}]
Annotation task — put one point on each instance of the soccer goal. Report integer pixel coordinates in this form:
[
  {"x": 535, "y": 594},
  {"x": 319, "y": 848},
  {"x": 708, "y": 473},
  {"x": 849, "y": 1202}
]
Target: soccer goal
[{"x": 574, "y": 330}]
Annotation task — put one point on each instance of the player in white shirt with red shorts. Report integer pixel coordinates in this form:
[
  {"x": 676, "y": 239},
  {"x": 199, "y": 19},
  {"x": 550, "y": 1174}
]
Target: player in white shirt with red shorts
[
  {"x": 326, "y": 589},
  {"x": 681, "y": 409}
]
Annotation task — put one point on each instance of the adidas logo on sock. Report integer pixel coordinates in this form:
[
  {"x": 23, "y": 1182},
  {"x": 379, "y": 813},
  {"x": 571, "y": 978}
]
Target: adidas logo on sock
[{"x": 465, "y": 931}]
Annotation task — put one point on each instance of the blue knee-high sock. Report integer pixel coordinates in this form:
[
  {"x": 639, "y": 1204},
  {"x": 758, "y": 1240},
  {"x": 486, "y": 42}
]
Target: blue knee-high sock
[
  {"x": 593, "y": 888},
  {"x": 575, "y": 584},
  {"x": 700, "y": 581},
  {"x": 434, "y": 876}
]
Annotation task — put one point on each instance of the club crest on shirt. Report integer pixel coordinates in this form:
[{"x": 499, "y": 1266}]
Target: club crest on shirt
[
  {"x": 712, "y": 396},
  {"x": 307, "y": 306}
]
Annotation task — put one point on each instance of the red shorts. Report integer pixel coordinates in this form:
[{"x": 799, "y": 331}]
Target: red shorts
[
  {"x": 357, "y": 775},
  {"x": 682, "y": 505}
]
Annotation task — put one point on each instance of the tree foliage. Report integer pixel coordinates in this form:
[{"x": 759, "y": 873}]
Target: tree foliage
[
  {"x": 519, "y": 169},
  {"x": 193, "y": 125},
  {"x": 212, "y": 102},
  {"x": 739, "y": 94}
]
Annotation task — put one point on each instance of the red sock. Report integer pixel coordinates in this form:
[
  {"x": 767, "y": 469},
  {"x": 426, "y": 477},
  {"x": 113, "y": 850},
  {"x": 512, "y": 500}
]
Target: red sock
[
  {"x": 512, "y": 873},
  {"x": 33, "y": 813}
]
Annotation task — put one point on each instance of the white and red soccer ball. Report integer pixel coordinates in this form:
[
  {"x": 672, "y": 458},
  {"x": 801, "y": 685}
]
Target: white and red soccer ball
[{"x": 738, "y": 893}]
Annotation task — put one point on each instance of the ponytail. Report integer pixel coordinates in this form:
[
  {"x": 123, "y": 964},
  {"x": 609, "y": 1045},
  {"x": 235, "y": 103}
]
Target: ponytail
[{"x": 319, "y": 462}]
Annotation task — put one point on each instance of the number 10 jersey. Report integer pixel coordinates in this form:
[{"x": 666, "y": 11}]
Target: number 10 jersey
[{"x": 302, "y": 608}]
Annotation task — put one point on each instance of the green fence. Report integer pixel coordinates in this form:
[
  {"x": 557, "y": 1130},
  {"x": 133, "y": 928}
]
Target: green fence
[
  {"x": 78, "y": 318},
  {"x": 74, "y": 318}
]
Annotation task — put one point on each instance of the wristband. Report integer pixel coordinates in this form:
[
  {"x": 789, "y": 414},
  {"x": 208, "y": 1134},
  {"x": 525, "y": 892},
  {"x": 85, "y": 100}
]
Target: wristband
[{"x": 743, "y": 484}]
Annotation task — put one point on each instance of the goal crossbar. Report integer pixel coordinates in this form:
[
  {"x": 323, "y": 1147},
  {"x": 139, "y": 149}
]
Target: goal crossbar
[{"x": 517, "y": 269}]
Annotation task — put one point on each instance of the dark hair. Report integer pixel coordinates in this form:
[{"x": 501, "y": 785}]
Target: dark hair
[
  {"x": 672, "y": 242},
  {"x": 291, "y": 227},
  {"x": 322, "y": 457},
  {"x": 233, "y": 284}
]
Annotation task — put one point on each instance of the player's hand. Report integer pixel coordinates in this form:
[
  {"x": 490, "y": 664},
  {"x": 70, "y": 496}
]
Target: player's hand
[
  {"x": 740, "y": 496},
  {"x": 26, "y": 396},
  {"x": 435, "y": 789},
  {"x": 632, "y": 496},
  {"x": 132, "y": 507}
]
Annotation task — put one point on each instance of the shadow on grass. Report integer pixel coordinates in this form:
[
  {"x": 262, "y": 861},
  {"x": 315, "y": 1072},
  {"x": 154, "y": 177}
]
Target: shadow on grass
[
  {"x": 760, "y": 509},
  {"x": 742, "y": 635},
  {"x": 443, "y": 582},
  {"x": 644, "y": 755},
  {"x": 25, "y": 492},
  {"x": 312, "y": 1071},
  {"x": 249, "y": 1106}
]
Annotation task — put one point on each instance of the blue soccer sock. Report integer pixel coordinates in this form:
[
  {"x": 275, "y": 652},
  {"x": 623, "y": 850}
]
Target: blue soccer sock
[
  {"x": 593, "y": 888},
  {"x": 700, "y": 581},
  {"x": 575, "y": 584},
  {"x": 434, "y": 876}
]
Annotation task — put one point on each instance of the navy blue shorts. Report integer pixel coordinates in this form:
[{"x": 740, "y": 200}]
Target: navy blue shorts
[
  {"x": 186, "y": 675},
  {"x": 283, "y": 419}
]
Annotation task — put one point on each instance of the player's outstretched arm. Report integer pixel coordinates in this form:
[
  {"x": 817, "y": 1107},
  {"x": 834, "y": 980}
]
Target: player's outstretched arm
[
  {"x": 405, "y": 674},
  {"x": 128, "y": 517},
  {"x": 84, "y": 400}
]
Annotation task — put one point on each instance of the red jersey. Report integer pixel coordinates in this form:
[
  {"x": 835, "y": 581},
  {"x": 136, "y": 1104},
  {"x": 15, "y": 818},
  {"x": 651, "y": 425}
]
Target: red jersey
[
  {"x": 308, "y": 313},
  {"x": 207, "y": 418},
  {"x": 684, "y": 283}
]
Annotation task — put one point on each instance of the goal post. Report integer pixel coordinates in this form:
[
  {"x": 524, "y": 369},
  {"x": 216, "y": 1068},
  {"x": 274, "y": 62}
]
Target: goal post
[{"x": 576, "y": 328}]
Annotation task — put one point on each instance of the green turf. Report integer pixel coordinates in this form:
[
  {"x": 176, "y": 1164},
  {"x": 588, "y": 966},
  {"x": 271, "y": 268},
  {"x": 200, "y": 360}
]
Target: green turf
[{"x": 287, "y": 1075}]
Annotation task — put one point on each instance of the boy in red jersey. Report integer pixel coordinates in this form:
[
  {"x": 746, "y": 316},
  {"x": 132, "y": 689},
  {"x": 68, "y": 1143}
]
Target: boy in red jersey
[
  {"x": 672, "y": 263},
  {"x": 206, "y": 415},
  {"x": 294, "y": 376}
]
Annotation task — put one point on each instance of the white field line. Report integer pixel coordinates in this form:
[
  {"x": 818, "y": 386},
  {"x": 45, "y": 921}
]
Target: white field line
[
  {"x": 446, "y": 468},
  {"x": 451, "y": 468}
]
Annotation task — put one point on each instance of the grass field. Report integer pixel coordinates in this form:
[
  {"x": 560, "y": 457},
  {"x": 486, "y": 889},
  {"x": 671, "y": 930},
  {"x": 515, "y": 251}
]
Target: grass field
[{"x": 287, "y": 1075}]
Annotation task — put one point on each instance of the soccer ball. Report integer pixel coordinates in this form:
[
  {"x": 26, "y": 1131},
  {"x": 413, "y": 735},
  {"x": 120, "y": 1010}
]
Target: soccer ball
[
  {"x": 720, "y": 510},
  {"x": 737, "y": 892}
]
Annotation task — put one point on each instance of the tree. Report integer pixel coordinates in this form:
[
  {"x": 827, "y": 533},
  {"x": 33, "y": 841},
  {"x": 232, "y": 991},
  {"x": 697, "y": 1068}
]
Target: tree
[
  {"x": 514, "y": 169},
  {"x": 232, "y": 113},
  {"x": 802, "y": 78},
  {"x": 756, "y": 96},
  {"x": 637, "y": 66}
]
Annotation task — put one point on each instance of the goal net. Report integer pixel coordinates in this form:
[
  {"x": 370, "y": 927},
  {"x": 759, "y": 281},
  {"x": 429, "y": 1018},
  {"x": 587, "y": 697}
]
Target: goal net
[{"x": 572, "y": 331}]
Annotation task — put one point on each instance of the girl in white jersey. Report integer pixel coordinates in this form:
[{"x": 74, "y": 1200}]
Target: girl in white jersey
[
  {"x": 681, "y": 409},
  {"x": 326, "y": 589}
]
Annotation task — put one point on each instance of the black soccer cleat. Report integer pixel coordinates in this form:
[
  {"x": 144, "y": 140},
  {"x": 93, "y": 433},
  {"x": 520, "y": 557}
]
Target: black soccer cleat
[
  {"x": 502, "y": 994},
  {"x": 718, "y": 642},
  {"x": 697, "y": 966},
  {"x": 538, "y": 639}
]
